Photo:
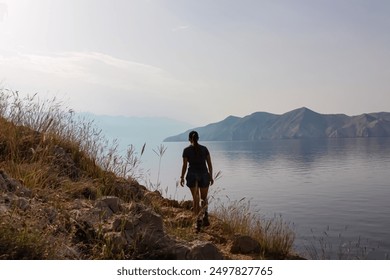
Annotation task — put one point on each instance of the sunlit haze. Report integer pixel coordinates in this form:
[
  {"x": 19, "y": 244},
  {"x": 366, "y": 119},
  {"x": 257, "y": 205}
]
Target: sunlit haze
[{"x": 199, "y": 61}]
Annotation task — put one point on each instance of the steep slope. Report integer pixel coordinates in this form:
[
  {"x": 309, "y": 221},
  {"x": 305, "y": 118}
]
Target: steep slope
[
  {"x": 253, "y": 127},
  {"x": 299, "y": 123},
  {"x": 366, "y": 125}
]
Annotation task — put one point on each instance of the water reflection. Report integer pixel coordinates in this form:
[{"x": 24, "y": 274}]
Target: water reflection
[{"x": 301, "y": 154}]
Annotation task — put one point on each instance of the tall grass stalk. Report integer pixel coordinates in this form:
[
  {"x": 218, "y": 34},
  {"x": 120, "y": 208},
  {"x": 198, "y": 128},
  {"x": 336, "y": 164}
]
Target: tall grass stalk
[
  {"x": 274, "y": 235},
  {"x": 160, "y": 151}
]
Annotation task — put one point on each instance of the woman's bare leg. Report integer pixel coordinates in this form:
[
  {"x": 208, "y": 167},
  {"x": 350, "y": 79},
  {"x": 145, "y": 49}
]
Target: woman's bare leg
[
  {"x": 204, "y": 204},
  {"x": 203, "y": 199},
  {"x": 195, "y": 199}
]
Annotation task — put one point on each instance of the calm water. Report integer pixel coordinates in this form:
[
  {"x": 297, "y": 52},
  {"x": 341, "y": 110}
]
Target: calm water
[{"x": 335, "y": 193}]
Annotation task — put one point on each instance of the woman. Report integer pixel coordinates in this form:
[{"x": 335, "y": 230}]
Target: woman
[{"x": 199, "y": 177}]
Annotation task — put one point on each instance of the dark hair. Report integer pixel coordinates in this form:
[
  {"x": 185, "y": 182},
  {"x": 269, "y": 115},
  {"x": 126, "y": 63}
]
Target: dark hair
[{"x": 194, "y": 137}]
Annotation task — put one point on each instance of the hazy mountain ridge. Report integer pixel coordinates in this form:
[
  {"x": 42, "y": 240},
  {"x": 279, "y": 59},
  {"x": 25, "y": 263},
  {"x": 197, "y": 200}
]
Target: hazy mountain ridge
[{"x": 299, "y": 123}]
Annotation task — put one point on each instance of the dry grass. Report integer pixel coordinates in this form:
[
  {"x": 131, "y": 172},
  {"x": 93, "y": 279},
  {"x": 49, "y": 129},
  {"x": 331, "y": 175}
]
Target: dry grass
[
  {"x": 228, "y": 219},
  {"x": 23, "y": 244},
  {"x": 275, "y": 236},
  {"x": 56, "y": 125},
  {"x": 61, "y": 157}
]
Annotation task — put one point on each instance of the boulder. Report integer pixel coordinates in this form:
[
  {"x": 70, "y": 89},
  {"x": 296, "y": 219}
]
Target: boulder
[
  {"x": 243, "y": 244},
  {"x": 171, "y": 250},
  {"x": 150, "y": 220},
  {"x": 204, "y": 251}
]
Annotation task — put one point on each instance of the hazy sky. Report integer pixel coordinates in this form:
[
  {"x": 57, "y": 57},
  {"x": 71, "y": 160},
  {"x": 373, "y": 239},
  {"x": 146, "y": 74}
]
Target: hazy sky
[{"x": 200, "y": 60}]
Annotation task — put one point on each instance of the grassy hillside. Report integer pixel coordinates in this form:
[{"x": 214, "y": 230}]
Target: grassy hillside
[{"x": 66, "y": 193}]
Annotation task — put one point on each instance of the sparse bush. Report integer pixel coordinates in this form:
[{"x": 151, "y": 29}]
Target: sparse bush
[{"x": 23, "y": 244}]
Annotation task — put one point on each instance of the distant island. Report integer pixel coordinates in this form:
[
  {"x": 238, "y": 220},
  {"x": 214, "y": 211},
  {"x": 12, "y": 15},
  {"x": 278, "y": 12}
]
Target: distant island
[{"x": 296, "y": 124}]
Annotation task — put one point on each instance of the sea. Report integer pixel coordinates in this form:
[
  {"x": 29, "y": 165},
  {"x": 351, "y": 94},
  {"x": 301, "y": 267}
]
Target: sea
[{"x": 333, "y": 193}]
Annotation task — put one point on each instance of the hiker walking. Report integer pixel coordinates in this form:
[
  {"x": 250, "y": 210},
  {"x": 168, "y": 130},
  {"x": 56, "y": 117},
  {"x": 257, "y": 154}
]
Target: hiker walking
[{"x": 199, "y": 177}]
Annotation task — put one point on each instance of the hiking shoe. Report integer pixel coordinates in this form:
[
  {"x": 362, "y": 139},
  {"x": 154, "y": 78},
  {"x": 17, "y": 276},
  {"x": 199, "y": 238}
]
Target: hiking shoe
[{"x": 205, "y": 221}]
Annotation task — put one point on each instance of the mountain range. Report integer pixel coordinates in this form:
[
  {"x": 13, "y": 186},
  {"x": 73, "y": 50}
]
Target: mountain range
[{"x": 296, "y": 124}]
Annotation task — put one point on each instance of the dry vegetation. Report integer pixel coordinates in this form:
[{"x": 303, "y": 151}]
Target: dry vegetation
[{"x": 61, "y": 158}]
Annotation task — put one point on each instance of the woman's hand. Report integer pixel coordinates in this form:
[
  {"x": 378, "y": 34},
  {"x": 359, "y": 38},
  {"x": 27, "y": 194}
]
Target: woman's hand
[
  {"x": 211, "y": 179},
  {"x": 183, "y": 171}
]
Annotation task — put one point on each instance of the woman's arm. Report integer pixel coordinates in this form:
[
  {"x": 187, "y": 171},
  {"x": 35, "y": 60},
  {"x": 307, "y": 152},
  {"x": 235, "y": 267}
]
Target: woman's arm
[
  {"x": 210, "y": 167},
  {"x": 183, "y": 171}
]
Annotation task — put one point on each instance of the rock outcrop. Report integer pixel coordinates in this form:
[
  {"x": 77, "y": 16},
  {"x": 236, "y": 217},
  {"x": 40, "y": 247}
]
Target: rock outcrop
[{"x": 131, "y": 227}]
